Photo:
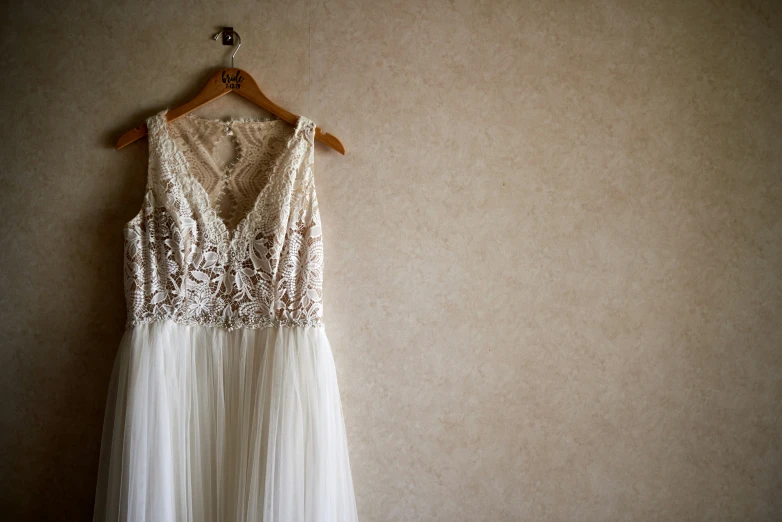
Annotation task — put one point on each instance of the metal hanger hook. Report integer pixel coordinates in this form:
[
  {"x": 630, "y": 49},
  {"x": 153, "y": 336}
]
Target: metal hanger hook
[{"x": 238, "y": 39}]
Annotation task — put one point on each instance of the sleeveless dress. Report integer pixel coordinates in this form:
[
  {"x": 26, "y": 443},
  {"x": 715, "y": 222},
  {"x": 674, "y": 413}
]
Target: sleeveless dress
[{"x": 223, "y": 403}]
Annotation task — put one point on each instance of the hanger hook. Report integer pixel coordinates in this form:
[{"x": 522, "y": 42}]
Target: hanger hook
[{"x": 228, "y": 39}]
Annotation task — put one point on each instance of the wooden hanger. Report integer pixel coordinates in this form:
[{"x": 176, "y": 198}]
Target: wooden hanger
[{"x": 223, "y": 82}]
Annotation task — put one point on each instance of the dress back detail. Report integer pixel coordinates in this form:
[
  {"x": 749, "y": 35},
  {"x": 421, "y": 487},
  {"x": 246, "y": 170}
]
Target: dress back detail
[{"x": 258, "y": 263}]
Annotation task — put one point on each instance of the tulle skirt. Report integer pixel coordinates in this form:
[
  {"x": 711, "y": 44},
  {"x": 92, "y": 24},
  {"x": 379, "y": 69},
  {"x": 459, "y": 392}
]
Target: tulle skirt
[{"x": 205, "y": 424}]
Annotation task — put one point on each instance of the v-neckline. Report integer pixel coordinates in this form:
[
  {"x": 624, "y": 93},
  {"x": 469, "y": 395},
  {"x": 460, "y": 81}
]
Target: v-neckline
[{"x": 185, "y": 170}]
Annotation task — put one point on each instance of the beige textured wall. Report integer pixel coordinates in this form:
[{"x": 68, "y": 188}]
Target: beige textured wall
[{"x": 553, "y": 250}]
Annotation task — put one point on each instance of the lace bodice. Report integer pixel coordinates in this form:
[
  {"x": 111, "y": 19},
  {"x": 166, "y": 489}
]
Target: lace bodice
[{"x": 229, "y": 245}]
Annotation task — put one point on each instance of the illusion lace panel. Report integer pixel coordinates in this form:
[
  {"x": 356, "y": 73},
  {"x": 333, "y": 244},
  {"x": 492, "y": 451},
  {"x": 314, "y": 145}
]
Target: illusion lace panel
[{"x": 232, "y": 171}]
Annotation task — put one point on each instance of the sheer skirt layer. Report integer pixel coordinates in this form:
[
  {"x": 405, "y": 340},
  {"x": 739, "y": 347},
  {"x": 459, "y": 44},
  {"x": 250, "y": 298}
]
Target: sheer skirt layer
[{"x": 206, "y": 424}]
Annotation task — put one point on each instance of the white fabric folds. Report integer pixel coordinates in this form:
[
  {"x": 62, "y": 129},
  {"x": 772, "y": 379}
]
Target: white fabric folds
[{"x": 206, "y": 424}]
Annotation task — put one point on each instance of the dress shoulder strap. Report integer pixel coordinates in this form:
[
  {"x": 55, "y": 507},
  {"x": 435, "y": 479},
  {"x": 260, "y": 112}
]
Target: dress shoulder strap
[
  {"x": 163, "y": 183},
  {"x": 158, "y": 150},
  {"x": 152, "y": 186}
]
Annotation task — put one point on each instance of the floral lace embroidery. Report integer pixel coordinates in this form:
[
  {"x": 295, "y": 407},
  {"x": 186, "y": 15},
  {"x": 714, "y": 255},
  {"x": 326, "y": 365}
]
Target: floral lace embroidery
[{"x": 183, "y": 263}]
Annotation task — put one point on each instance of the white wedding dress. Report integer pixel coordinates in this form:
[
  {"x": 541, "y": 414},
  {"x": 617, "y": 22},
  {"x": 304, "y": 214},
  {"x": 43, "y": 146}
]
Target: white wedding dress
[{"x": 223, "y": 404}]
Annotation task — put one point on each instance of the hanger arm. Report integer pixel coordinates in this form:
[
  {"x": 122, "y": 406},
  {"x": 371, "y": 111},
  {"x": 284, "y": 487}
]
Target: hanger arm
[{"x": 221, "y": 83}]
